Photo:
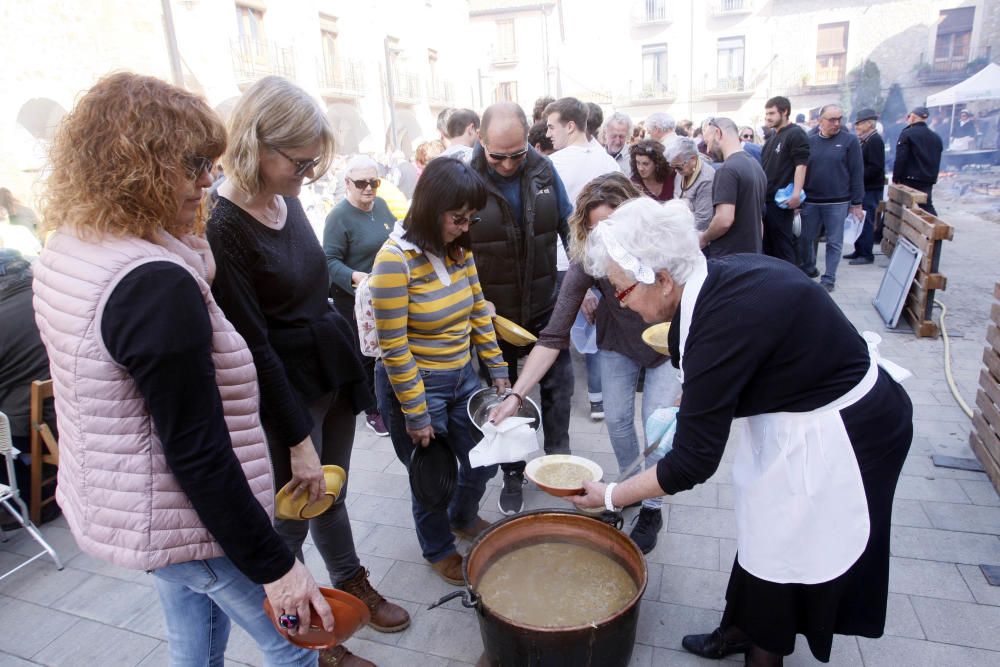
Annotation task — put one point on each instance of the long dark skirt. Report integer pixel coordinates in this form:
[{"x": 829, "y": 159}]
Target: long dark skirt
[{"x": 880, "y": 427}]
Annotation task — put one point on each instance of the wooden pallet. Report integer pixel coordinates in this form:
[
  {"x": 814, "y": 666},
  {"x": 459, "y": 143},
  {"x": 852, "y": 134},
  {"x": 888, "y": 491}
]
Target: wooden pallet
[
  {"x": 985, "y": 435},
  {"x": 903, "y": 218}
]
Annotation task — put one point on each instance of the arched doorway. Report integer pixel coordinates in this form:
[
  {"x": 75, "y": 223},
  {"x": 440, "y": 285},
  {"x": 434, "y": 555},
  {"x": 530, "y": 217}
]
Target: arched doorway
[{"x": 349, "y": 129}]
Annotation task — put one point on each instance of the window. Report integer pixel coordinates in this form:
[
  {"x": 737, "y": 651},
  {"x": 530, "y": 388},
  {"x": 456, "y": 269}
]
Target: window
[
  {"x": 506, "y": 92},
  {"x": 654, "y": 69},
  {"x": 954, "y": 38},
  {"x": 250, "y": 27},
  {"x": 506, "y": 46},
  {"x": 329, "y": 41},
  {"x": 831, "y": 54},
  {"x": 656, "y": 10},
  {"x": 730, "y": 64}
]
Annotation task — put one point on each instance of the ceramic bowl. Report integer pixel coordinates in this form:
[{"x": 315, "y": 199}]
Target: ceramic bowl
[
  {"x": 656, "y": 337},
  {"x": 531, "y": 471},
  {"x": 349, "y": 615},
  {"x": 286, "y": 507},
  {"x": 513, "y": 333}
]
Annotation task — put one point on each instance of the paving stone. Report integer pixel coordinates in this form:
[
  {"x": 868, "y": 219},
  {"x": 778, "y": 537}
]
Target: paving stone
[
  {"x": 392, "y": 542},
  {"x": 58, "y": 537},
  {"x": 107, "y": 600},
  {"x": 708, "y": 521},
  {"x": 40, "y": 582},
  {"x": 664, "y": 625},
  {"x": 654, "y": 575},
  {"x": 360, "y": 529},
  {"x": 445, "y": 633},
  {"x": 389, "y": 638},
  {"x": 385, "y": 511},
  {"x": 19, "y": 621},
  {"x": 380, "y": 484},
  {"x": 150, "y": 622},
  {"x": 385, "y": 655},
  {"x": 685, "y": 550},
  {"x": 693, "y": 588},
  {"x": 726, "y": 499},
  {"x": 242, "y": 648},
  {"x": 981, "y": 589},
  {"x": 909, "y": 513},
  {"x": 681, "y": 658},
  {"x": 946, "y": 546},
  {"x": 900, "y": 619},
  {"x": 925, "y": 577},
  {"x": 88, "y": 563},
  {"x": 703, "y": 495},
  {"x": 727, "y": 554},
  {"x": 911, "y": 487},
  {"x": 843, "y": 652},
  {"x": 959, "y": 623},
  {"x": 368, "y": 459},
  {"x": 981, "y": 492},
  {"x": 415, "y": 582},
  {"x": 642, "y": 656},
  {"x": 161, "y": 656},
  {"x": 90, "y": 643},
  {"x": 965, "y": 518}
]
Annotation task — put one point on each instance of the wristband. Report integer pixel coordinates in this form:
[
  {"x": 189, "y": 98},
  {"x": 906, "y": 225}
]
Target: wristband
[
  {"x": 607, "y": 497},
  {"x": 520, "y": 399}
]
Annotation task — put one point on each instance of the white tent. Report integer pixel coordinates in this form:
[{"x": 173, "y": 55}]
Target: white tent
[{"x": 983, "y": 85}]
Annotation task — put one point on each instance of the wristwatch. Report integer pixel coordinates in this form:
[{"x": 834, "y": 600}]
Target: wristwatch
[{"x": 607, "y": 497}]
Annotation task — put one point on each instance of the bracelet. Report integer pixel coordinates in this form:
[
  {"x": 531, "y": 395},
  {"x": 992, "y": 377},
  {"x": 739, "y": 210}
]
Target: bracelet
[
  {"x": 607, "y": 497},
  {"x": 520, "y": 399}
]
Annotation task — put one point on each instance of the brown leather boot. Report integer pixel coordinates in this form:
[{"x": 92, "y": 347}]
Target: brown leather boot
[
  {"x": 449, "y": 568},
  {"x": 386, "y": 616},
  {"x": 339, "y": 656}
]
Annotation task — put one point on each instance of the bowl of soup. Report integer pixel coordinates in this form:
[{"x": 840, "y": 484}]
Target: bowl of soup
[{"x": 562, "y": 474}]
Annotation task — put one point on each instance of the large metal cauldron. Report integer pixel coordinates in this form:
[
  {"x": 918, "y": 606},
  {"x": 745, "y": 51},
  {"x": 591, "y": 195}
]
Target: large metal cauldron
[{"x": 506, "y": 643}]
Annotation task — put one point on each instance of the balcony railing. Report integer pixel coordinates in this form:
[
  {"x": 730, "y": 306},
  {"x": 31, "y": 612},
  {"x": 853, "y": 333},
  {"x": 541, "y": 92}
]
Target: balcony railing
[
  {"x": 502, "y": 57},
  {"x": 406, "y": 87},
  {"x": 254, "y": 59},
  {"x": 733, "y": 86},
  {"x": 659, "y": 91},
  {"x": 651, "y": 12},
  {"x": 952, "y": 70},
  {"x": 731, "y": 7},
  {"x": 441, "y": 93},
  {"x": 344, "y": 78}
]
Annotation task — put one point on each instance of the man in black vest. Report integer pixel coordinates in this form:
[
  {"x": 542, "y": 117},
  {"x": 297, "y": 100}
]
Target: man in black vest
[
  {"x": 515, "y": 249},
  {"x": 918, "y": 156}
]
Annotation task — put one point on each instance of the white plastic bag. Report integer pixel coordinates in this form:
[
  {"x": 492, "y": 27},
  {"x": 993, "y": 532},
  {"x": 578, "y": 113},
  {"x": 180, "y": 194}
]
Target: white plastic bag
[
  {"x": 797, "y": 225},
  {"x": 583, "y": 335},
  {"x": 512, "y": 440},
  {"x": 852, "y": 228}
]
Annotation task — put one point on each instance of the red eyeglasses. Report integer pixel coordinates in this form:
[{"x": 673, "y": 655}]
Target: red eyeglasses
[{"x": 621, "y": 295}]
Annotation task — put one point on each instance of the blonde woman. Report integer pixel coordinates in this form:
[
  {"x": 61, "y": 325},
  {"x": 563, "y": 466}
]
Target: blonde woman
[
  {"x": 619, "y": 339},
  {"x": 272, "y": 283},
  {"x": 163, "y": 464}
]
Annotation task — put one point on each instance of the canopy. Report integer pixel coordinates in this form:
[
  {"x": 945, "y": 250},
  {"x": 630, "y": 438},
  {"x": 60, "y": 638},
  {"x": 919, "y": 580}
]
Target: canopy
[{"x": 983, "y": 85}]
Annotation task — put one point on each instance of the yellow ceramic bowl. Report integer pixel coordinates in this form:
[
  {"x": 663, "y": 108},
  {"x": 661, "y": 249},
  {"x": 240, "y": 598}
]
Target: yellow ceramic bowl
[
  {"x": 513, "y": 333},
  {"x": 286, "y": 507},
  {"x": 656, "y": 337}
]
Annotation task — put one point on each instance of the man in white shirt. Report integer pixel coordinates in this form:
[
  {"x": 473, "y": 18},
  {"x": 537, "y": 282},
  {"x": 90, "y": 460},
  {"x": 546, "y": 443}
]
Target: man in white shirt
[{"x": 462, "y": 130}]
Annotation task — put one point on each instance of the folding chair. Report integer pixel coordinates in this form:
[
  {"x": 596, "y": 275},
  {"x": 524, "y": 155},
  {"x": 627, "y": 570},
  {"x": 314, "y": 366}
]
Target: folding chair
[
  {"x": 44, "y": 448},
  {"x": 9, "y": 492}
]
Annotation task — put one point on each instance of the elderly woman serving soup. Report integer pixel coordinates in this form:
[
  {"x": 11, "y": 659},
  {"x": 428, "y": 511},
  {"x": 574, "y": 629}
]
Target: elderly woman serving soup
[{"x": 821, "y": 430}]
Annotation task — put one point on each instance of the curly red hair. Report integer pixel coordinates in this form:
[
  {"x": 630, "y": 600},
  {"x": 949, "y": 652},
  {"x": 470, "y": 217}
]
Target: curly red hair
[{"x": 117, "y": 155}]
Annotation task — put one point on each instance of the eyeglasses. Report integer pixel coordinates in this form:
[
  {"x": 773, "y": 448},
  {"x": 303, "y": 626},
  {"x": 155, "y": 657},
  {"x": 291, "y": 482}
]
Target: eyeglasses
[
  {"x": 363, "y": 183},
  {"x": 500, "y": 157},
  {"x": 746, "y": 137},
  {"x": 196, "y": 165},
  {"x": 834, "y": 120},
  {"x": 462, "y": 220},
  {"x": 621, "y": 295},
  {"x": 301, "y": 166}
]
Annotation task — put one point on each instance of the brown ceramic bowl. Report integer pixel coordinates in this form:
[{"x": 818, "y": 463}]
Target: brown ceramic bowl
[
  {"x": 349, "y": 615},
  {"x": 534, "y": 465}
]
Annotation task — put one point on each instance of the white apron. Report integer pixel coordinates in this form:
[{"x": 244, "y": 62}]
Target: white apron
[{"x": 801, "y": 509}]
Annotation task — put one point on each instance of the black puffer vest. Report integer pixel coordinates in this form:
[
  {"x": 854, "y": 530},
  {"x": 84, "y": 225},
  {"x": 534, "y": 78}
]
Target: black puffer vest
[{"x": 517, "y": 265}]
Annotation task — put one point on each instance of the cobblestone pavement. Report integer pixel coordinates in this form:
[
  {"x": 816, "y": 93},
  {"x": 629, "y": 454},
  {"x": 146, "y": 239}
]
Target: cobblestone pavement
[{"x": 942, "y": 612}]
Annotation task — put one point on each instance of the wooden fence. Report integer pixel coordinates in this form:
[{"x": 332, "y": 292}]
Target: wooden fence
[{"x": 985, "y": 435}]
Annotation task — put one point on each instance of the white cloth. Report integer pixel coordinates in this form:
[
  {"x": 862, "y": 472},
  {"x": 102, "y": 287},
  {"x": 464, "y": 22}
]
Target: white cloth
[
  {"x": 512, "y": 440},
  {"x": 801, "y": 510}
]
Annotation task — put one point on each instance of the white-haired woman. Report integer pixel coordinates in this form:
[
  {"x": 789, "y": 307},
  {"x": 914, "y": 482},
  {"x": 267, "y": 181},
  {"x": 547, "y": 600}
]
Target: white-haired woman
[
  {"x": 693, "y": 182},
  {"x": 355, "y": 230},
  {"x": 822, "y": 430},
  {"x": 271, "y": 282}
]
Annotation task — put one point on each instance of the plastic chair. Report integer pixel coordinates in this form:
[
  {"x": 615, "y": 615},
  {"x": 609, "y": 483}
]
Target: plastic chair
[
  {"x": 9, "y": 494},
  {"x": 44, "y": 448}
]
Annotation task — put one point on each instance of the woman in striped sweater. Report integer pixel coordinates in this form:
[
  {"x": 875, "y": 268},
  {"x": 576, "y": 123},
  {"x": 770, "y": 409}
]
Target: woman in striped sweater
[{"x": 429, "y": 308}]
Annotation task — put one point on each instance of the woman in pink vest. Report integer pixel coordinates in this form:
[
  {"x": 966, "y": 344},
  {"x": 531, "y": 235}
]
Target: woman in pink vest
[{"x": 163, "y": 463}]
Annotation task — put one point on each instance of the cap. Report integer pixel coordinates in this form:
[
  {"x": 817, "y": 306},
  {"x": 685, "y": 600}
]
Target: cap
[
  {"x": 920, "y": 111},
  {"x": 964, "y": 112},
  {"x": 865, "y": 114}
]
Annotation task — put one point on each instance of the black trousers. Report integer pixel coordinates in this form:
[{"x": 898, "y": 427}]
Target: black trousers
[{"x": 778, "y": 239}]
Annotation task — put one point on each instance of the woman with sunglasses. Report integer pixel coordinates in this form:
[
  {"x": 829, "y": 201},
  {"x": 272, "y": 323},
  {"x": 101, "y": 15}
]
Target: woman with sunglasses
[
  {"x": 650, "y": 171},
  {"x": 355, "y": 230},
  {"x": 619, "y": 338},
  {"x": 429, "y": 311},
  {"x": 272, "y": 284},
  {"x": 163, "y": 462}
]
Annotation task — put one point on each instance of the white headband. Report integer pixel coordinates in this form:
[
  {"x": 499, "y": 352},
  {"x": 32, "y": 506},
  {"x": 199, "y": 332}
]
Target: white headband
[{"x": 628, "y": 261}]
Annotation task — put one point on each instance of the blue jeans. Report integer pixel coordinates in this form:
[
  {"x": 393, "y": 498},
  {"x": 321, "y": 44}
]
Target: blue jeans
[
  {"x": 863, "y": 246},
  {"x": 594, "y": 392},
  {"x": 446, "y": 393},
  {"x": 830, "y": 219},
  {"x": 619, "y": 375},
  {"x": 198, "y": 599}
]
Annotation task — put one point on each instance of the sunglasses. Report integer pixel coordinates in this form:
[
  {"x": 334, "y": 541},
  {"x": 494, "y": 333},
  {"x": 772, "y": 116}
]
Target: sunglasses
[
  {"x": 301, "y": 166},
  {"x": 500, "y": 157},
  {"x": 746, "y": 137},
  {"x": 462, "y": 220},
  {"x": 621, "y": 295},
  {"x": 196, "y": 165},
  {"x": 363, "y": 183}
]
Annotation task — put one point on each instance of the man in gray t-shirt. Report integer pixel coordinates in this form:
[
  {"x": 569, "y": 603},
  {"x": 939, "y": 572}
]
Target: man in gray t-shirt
[{"x": 738, "y": 193}]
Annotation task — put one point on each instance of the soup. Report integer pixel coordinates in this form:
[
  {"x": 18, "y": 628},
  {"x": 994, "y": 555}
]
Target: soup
[
  {"x": 563, "y": 475},
  {"x": 556, "y": 584}
]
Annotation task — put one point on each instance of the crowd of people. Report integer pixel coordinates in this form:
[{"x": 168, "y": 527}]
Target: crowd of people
[{"x": 209, "y": 343}]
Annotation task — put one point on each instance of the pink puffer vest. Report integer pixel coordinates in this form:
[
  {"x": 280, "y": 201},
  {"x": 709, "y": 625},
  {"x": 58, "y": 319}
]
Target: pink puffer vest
[{"x": 115, "y": 488}]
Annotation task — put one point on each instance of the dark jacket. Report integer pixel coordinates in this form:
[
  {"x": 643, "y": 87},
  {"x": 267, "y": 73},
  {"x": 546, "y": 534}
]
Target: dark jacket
[
  {"x": 836, "y": 172},
  {"x": 517, "y": 263},
  {"x": 918, "y": 156},
  {"x": 873, "y": 155}
]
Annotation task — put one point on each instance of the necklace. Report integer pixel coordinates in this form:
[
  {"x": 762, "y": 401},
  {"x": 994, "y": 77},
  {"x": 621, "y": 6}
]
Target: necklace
[{"x": 277, "y": 212}]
